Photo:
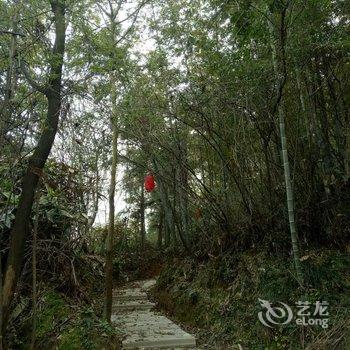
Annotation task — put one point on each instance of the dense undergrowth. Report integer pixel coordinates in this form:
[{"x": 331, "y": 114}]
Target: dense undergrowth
[
  {"x": 69, "y": 271},
  {"x": 69, "y": 309},
  {"x": 66, "y": 324},
  {"x": 221, "y": 297}
]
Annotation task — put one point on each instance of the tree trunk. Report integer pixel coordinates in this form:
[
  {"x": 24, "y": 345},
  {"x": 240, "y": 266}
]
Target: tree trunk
[
  {"x": 308, "y": 127},
  {"x": 95, "y": 201},
  {"x": 37, "y": 160},
  {"x": 34, "y": 272},
  {"x": 109, "y": 241},
  {"x": 168, "y": 215},
  {"x": 279, "y": 66},
  {"x": 169, "y": 226},
  {"x": 160, "y": 230},
  {"x": 183, "y": 188},
  {"x": 142, "y": 218},
  {"x": 10, "y": 78}
]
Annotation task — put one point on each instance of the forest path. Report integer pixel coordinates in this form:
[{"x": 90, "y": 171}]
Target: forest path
[{"x": 144, "y": 328}]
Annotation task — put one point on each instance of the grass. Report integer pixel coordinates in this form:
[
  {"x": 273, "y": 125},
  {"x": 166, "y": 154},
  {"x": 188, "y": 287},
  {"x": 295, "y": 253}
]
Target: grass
[
  {"x": 64, "y": 323},
  {"x": 221, "y": 297}
]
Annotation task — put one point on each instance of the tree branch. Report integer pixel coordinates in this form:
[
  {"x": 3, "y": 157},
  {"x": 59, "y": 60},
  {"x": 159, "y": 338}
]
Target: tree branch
[
  {"x": 11, "y": 33},
  {"x": 135, "y": 12},
  {"x": 31, "y": 81}
]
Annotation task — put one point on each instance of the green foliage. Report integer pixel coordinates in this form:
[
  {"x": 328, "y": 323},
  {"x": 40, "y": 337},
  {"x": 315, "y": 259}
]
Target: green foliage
[
  {"x": 88, "y": 332},
  {"x": 227, "y": 309},
  {"x": 54, "y": 310},
  {"x": 67, "y": 326},
  {"x": 59, "y": 209}
]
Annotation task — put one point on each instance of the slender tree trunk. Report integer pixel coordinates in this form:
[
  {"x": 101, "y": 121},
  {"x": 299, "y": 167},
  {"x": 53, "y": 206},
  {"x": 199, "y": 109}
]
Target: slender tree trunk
[
  {"x": 183, "y": 188},
  {"x": 160, "y": 231},
  {"x": 37, "y": 161},
  {"x": 170, "y": 188},
  {"x": 347, "y": 151},
  {"x": 34, "y": 272},
  {"x": 339, "y": 122},
  {"x": 278, "y": 59},
  {"x": 308, "y": 127},
  {"x": 95, "y": 201},
  {"x": 1, "y": 293},
  {"x": 5, "y": 112},
  {"x": 110, "y": 235},
  {"x": 169, "y": 219},
  {"x": 142, "y": 218},
  {"x": 325, "y": 130},
  {"x": 163, "y": 195}
]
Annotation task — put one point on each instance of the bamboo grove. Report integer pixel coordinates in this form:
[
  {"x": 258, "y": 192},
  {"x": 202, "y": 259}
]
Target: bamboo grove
[{"x": 239, "y": 109}]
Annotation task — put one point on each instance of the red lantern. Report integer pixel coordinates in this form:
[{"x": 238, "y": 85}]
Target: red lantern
[{"x": 150, "y": 184}]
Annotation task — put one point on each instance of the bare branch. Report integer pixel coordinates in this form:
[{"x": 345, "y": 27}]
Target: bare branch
[
  {"x": 11, "y": 33},
  {"x": 128, "y": 30},
  {"x": 135, "y": 12},
  {"x": 35, "y": 85}
]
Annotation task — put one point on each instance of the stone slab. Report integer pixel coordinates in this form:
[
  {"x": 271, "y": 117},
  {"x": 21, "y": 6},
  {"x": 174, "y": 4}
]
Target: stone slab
[
  {"x": 144, "y": 285},
  {"x": 133, "y": 305},
  {"x": 150, "y": 330},
  {"x": 130, "y": 294},
  {"x": 143, "y": 327},
  {"x": 148, "y": 284}
]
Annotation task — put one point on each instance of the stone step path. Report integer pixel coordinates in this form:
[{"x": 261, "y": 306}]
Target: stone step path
[{"x": 143, "y": 327}]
